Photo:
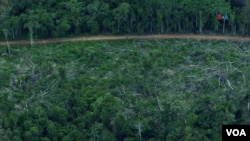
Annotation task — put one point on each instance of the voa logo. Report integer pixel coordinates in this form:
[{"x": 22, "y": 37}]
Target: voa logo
[{"x": 236, "y": 132}]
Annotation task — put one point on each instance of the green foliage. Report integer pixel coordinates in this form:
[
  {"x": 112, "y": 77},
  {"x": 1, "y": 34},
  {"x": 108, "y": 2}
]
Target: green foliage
[
  {"x": 121, "y": 14},
  {"x": 72, "y": 17},
  {"x": 123, "y": 90}
]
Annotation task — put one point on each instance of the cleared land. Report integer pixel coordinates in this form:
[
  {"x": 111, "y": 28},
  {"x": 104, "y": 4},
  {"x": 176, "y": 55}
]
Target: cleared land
[
  {"x": 154, "y": 36},
  {"x": 124, "y": 90}
]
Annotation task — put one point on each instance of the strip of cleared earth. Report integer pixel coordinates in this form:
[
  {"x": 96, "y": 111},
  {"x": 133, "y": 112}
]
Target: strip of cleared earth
[{"x": 153, "y": 36}]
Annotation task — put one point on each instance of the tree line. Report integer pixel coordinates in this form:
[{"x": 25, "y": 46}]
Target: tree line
[{"x": 55, "y": 18}]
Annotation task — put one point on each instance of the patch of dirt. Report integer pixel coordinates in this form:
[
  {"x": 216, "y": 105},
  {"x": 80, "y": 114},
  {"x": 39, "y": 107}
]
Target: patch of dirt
[{"x": 153, "y": 36}]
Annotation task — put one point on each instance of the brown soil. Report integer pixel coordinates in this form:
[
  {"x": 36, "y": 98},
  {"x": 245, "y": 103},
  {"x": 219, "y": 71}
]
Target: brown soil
[{"x": 154, "y": 36}]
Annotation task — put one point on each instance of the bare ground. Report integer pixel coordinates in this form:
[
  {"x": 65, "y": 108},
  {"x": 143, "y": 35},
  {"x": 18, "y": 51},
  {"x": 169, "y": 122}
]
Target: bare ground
[{"x": 153, "y": 36}]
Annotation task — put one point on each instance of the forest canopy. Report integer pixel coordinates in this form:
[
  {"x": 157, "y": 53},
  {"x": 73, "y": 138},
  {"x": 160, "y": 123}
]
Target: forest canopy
[{"x": 56, "y": 18}]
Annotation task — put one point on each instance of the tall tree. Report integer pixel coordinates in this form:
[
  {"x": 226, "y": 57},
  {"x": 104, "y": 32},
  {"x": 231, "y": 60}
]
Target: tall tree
[
  {"x": 6, "y": 33},
  {"x": 98, "y": 16},
  {"x": 246, "y": 16},
  {"x": 75, "y": 14},
  {"x": 121, "y": 14},
  {"x": 31, "y": 19},
  {"x": 5, "y": 8}
]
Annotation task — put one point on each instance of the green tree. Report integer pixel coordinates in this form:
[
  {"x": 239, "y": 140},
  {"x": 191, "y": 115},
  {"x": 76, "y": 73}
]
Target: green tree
[
  {"x": 46, "y": 20},
  {"x": 75, "y": 15},
  {"x": 5, "y": 8},
  {"x": 31, "y": 19},
  {"x": 63, "y": 26},
  {"x": 95, "y": 131},
  {"x": 246, "y": 16},
  {"x": 51, "y": 129},
  {"x": 6, "y": 33},
  {"x": 99, "y": 16},
  {"x": 106, "y": 107},
  {"x": 121, "y": 14}
]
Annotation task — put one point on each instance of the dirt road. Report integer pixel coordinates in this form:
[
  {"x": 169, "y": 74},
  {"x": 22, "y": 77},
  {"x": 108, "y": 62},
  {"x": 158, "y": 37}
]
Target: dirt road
[{"x": 154, "y": 36}]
